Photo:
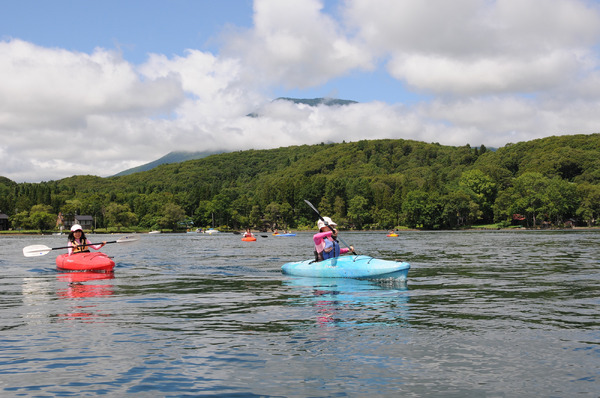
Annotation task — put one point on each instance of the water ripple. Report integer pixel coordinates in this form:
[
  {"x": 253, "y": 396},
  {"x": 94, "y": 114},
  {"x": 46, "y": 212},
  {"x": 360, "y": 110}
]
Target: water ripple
[{"x": 481, "y": 314}]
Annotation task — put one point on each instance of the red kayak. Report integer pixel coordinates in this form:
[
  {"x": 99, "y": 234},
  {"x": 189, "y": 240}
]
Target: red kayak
[
  {"x": 249, "y": 239},
  {"x": 93, "y": 261}
]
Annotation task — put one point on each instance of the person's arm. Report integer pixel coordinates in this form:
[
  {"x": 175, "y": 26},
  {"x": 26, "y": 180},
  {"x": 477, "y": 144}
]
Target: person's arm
[
  {"x": 318, "y": 238},
  {"x": 70, "y": 249},
  {"x": 95, "y": 247},
  {"x": 344, "y": 250}
]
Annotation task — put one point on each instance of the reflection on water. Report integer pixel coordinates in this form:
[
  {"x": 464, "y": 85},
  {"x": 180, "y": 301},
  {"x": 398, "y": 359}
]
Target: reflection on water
[
  {"x": 40, "y": 294},
  {"x": 82, "y": 285},
  {"x": 79, "y": 277},
  {"x": 344, "y": 302},
  {"x": 79, "y": 288}
]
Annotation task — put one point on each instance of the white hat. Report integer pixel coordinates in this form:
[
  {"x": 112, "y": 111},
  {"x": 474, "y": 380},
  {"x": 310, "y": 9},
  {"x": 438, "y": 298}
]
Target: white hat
[
  {"x": 328, "y": 221},
  {"x": 76, "y": 227}
]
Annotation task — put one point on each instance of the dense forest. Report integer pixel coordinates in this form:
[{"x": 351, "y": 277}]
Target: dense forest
[{"x": 369, "y": 184}]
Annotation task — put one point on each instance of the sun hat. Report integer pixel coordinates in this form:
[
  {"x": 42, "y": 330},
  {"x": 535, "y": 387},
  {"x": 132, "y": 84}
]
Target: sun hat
[
  {"x": 76, "y": 227},
  {"x": 328, "y": 221}
]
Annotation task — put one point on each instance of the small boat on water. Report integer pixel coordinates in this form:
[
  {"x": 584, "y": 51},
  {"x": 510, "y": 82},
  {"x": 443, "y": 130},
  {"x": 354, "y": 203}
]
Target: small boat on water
[
  {"x": 288, "y": 234},
  {"x": 350, "y": 266},
  {"x": 92, "y": 261},
  {"x": 211, "y": 231},
  {"x": 83, "y": 261},
  {"x": 249, "y": 239}
]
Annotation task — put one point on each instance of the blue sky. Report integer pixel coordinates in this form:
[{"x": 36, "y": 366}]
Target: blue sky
[
  {"x": 137, "y": 27},
  {"x": 134, "y": 80}
]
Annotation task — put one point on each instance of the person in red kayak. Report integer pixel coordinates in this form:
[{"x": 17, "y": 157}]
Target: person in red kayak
[
  {"x": 78, "y": 243},
  {"x": 326, "y": 244}
]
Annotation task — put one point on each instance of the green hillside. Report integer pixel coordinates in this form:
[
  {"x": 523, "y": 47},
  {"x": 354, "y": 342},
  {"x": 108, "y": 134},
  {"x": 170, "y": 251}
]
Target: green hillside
[
  {"x": 370, "y": 184},
  {"x": 171, "y": 157}
]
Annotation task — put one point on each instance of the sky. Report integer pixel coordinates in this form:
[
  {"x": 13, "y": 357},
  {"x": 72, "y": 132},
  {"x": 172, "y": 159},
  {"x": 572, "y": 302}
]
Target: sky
[{"x": 98, "y": 87}]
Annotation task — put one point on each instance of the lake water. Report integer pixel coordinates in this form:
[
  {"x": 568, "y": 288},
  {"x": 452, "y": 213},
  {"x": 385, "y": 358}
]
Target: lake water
[{"x": 482, "y": 314}]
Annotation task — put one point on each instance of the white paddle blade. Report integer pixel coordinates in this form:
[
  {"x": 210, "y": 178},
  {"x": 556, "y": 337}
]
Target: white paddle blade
[
  {"x": 36, "y": 250},
  {"x": 127, "y": 239}
]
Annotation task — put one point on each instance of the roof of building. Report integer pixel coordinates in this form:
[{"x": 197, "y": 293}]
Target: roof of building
[{"x": 82, "y": 218}]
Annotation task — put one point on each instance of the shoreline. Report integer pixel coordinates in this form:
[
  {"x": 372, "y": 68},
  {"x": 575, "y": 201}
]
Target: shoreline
[{"x": 481, "y": 229}]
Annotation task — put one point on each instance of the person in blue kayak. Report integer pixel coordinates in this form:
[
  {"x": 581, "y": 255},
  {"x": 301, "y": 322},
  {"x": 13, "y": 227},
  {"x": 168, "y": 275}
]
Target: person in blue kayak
[
  {"x": 78, "y": 243},
  {"x": 326, "y": 244}
]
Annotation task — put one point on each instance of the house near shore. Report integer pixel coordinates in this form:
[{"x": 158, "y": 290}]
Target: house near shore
[
  {"x": 68, "y": 220},
  {"x": 87, "y": 222},
  {"x": 4, "y": 226}
]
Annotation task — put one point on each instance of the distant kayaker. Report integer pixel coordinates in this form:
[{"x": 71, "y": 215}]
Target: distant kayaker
[
  {"x": 248, "y": 233},
  {"x": 326, "y": 244},
  {"x": 78, "y": 243}
]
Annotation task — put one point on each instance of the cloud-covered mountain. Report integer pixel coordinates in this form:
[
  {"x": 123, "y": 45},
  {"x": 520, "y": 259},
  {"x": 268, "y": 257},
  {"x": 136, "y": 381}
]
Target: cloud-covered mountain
[{"x": 171, "y": 157}]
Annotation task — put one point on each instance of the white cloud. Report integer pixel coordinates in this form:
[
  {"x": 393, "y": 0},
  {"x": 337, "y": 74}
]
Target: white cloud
[
  {"x": 44, "y": 87},
  {"x": 484, "y": 76},
  {"x": 52, "y": 99},
  {"x": 479, "y": 47},
  {"x": 294, "y": 44}
]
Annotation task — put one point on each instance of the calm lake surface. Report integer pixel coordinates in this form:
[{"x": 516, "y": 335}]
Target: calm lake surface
[{"x": 482, "y": 314}]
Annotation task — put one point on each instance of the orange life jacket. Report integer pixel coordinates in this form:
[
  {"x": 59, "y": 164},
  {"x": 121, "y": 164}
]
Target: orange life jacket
[{"x": 80, "y": 248}]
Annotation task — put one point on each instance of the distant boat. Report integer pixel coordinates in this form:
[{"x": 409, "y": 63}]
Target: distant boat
[
  {"x": 154, "y": 232},
  {"x": 211, "y": 231}
]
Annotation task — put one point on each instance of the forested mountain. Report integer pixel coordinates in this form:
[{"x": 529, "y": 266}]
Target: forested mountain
[
  {"x": 182, "y": 156},
  {"x": 369, "y": 184},
  {"x": 171, "y": 157}
]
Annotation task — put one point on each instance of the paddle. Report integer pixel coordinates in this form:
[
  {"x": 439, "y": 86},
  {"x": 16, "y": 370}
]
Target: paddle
[
  {"x": 330, "y": 227},
  {"x": 42, "y": 250}
]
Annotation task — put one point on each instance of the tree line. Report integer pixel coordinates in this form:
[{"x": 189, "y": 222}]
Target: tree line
[{"x": 369, "y": 184}]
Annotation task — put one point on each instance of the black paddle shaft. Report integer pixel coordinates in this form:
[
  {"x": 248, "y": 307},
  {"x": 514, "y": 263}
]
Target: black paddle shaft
[{"x": 89, "y": 244}]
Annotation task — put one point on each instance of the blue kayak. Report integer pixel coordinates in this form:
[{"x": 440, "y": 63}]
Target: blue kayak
[{"x": 361, "y": 267}]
